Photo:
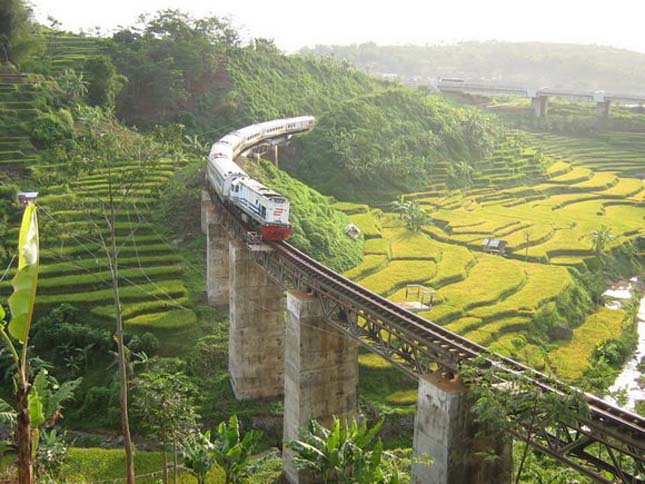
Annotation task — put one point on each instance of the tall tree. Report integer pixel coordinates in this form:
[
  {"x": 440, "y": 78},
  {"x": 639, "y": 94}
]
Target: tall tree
[
  {"x": 515, "y": 407},
  {"x": 164, "y": 405},
  {"x": 103, "y": 82},
  {"x": 171, "y": 61},
  {"x": 120, "y": 159},
  {"x": 16, "y": 30}
]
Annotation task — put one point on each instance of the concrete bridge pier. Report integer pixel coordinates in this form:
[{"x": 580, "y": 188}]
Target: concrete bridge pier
[
  {"x": 256, "y": 328},
  {"x": 540, "y": 106},
  {"x": 445, "y": 432},
  {"x": 206, "y": 204},
  {"x": 321, "y": 375},
  {"x": 217, "y": 273}
]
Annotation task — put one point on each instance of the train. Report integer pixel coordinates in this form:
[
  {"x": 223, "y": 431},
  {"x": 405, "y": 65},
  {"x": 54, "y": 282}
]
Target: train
[{"x": 258, "y": 205}]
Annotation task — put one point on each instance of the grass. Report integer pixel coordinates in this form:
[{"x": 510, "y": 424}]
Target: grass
[
  {"x": 411, "y": 245},
  {"x": 91, "y": 465},
  {"x": 491, "y": 279},
  {"x": 397, "y": 274},
  {"x": 370, "y": 265},
  {"x": 377, "y": 247}
]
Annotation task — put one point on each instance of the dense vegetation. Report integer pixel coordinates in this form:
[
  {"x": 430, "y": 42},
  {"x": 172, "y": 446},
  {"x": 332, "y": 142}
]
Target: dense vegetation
[
  {"x": 376, "y": 146},
  {"x": 530, "y": 63},
  {"x": 567, "y": 210}
]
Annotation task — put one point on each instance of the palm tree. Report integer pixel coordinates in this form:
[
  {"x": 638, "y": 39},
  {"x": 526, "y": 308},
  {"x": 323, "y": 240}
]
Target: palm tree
[
  {"x": 600, "y": 239},
  {"x": 412, "y": 215}
]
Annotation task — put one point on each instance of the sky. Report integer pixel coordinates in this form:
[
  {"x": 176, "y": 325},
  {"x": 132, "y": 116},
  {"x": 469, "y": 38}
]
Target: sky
[{"x": 293, "y": 24}]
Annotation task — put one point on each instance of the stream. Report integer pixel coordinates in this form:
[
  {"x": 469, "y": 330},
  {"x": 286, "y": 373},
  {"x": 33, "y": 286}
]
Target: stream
[{"x": 630, "y": 378}]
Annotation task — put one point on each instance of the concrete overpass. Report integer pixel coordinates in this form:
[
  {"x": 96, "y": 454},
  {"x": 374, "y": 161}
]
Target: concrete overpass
[{"x": 540, "y": 97}]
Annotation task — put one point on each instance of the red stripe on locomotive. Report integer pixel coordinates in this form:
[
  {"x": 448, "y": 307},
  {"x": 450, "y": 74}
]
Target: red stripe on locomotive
[{"x": 276, "y": 232}]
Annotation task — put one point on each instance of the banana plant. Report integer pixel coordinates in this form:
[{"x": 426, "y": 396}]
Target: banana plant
[{"x": 21, "y": 302}]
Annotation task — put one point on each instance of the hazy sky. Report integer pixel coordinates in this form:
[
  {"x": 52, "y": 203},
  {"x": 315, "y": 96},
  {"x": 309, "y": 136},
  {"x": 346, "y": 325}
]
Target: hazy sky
[{"x": 297, "y": 23}]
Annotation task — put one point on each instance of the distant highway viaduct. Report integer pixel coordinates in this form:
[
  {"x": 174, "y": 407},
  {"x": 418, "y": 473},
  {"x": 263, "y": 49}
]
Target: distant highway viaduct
[{"x": 540, "y": 97}]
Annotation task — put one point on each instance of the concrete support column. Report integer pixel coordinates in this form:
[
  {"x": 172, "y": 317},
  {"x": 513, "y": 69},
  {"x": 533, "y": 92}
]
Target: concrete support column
[
  {"x": 321, "y": 374},
  {"x": 540, "y": 106},
  {"x": 444, "y": 430},
  {"x": 206, "y": 205},
  {"x": 602, "y": 109},
  {"x": 217, "y": 260},
  {"x": 256, "y": 328}
]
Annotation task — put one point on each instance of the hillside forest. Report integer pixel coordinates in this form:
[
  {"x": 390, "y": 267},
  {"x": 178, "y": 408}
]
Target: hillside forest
[{"x": 113, "y": 133}]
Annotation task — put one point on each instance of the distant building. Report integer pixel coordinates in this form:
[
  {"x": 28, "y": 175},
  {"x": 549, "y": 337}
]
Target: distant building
[
  {"x": 24, "y": 198},
  {"x": 494, "y": 246},
  {"x": 352, "y": 231}
]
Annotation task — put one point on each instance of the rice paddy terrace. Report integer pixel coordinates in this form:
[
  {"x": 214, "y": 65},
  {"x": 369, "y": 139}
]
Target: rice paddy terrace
[
  {"x": 546, "y": 215},
  {"x": 70, "y": 51},
  {"x": 17, "y": 109},
  {"x": 616, "y": 151},
  {"x": 73, "y": 271}
]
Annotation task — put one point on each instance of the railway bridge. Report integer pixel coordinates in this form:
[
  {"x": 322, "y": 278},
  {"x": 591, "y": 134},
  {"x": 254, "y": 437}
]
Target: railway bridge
[
  {"x": 295, "y": 328},
  {"x": 540, "y": 97}
]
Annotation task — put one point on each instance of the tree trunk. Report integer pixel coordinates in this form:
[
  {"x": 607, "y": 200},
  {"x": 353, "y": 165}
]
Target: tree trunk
[
  {"x": 175, "y": 471},
  {"x": 123, "y": 370},
  {"x": 23, "y": 435},
  {"x": 123, "y": 386},
  {"x": 164, "y": 460}
]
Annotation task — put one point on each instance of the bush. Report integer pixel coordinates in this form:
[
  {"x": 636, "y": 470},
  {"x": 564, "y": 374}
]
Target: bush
[
  {"x": 100, "y": 406},
  {"x": 103, "y": 82},
  {"x": 9, "y": 213},
  {"x": 60, "y": 334},
  {"x": 146, "y": 343},
  {"x": 50, "y": 129},
  {"x": 211, "y": 352}
]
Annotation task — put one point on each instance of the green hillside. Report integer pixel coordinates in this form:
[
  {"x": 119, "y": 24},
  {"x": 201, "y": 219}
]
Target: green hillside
[
  {"x": 376, "y": 146},
  {"x": 64, "y": 50}
]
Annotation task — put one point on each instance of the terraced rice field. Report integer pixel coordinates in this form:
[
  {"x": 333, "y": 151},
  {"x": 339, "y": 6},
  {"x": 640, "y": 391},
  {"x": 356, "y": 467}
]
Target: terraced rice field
[
  {"x": 16, "y": 111},
  {"x": 70, "y": 51},
  {"x": 546, "y": 221},
  {"x": 74, "y": 271},
  {"x": 620, "y": 152}
]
